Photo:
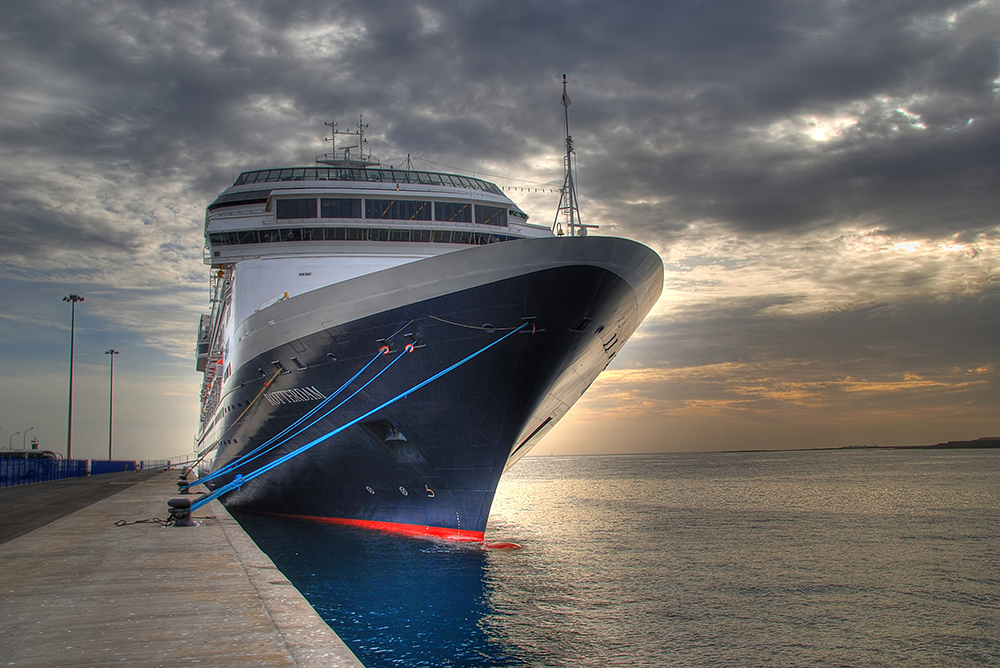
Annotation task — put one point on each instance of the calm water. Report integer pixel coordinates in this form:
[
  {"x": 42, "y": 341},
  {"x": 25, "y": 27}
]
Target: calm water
[{"x": 835, "y": 558}]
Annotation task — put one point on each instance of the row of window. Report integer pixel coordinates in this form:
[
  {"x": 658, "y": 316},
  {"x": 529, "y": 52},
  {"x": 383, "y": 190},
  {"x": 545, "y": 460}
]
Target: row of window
[
  {"x": 390, "y": 209},
  {"x": 355, "y": 234},
  {"x": 371, "y": 175}
]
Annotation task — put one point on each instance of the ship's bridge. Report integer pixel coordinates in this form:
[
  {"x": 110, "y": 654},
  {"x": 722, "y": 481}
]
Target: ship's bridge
[{"x": 304, "y": 205}]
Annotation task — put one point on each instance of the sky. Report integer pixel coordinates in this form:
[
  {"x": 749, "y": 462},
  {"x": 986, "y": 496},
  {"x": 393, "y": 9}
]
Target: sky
[{"x": 821, "y": 179}]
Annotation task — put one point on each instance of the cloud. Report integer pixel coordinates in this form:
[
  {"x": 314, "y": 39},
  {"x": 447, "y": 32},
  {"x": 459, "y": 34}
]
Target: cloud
[{"x": 820, "y": 178}]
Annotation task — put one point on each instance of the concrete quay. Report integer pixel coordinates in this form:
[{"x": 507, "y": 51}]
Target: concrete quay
[{"x": 80, "y": 591}]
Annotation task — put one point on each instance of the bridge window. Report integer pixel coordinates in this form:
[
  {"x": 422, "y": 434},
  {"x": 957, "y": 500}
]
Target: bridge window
[
  {"x": 386, "y": 209},
  {"x": 248, "y": 237},
  {"x": 346, "y": 174},
  {"x": 243, "y": 237},
  {"x": 491, "y": 215},
  {"x": 453, "y": 212},
  {"x": 295, "y": 208},
  {"x": 340, "y": 208}
]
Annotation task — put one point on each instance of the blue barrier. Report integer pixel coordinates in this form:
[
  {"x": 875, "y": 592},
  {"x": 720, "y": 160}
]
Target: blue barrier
[
  {"x": 23, "y": 471},
  {"x": 98, "y": 467}
]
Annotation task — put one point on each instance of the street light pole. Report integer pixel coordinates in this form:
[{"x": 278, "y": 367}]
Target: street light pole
[
  {"x": 72, "y": 299},
  {"x": 10, "y": 445},
  {"x": 111, "y": 397},
  {"x": 24, "y": 438}
]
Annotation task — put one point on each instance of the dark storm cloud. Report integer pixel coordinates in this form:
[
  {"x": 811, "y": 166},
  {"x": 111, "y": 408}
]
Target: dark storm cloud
[
  {"x": 920, "y": 335},
  {"x": 673, "y": 97},
  {"x": 775, "y": 152}
]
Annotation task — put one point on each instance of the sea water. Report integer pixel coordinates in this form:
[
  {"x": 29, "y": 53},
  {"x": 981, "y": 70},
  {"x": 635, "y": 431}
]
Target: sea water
[{"x": 860, "y": 557}]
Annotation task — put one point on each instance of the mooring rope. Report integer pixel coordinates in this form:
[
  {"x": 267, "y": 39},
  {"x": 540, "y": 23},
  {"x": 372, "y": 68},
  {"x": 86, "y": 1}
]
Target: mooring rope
[
  {"x": 267, "y": 384},
  {"x": 240, "y": 480},
  {"x": 260, "y": 449},
  {"x": 409, "y": 348}
]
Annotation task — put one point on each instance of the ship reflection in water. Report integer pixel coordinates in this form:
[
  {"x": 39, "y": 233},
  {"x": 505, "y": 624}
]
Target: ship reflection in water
[
  {"x": 393, "y": 600},
  {"x": 863, "y": 557}
]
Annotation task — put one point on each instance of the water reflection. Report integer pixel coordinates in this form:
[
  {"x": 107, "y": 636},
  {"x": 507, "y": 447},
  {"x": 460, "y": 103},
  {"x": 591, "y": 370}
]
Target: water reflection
[
  {"x": 393, "y": 600},
  {"x": 861, "y": 558}
]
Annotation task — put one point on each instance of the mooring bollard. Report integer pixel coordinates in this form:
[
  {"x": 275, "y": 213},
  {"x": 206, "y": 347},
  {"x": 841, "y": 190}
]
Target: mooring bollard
[
  {"x": 182, "y": 484},
  {"x": 180, "y": 511}
]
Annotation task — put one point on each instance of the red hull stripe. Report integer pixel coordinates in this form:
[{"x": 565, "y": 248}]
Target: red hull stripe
[{"x": 407, "y": 529}]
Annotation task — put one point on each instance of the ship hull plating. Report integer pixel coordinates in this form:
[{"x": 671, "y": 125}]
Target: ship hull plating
[{"x": 430, "y": 462}]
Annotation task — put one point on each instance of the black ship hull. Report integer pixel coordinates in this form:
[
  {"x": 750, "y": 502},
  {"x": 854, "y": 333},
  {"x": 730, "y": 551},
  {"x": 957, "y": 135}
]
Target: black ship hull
[{"x": 430, "y": 462}]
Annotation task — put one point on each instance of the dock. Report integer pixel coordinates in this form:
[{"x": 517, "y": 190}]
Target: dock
[{"x": 77, "y": 590}]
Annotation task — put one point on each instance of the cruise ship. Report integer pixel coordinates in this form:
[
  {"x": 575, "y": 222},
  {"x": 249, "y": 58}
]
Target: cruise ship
[{"x": 384, "y": 343}]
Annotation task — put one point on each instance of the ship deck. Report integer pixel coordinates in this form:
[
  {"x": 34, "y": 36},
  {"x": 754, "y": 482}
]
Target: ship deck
[{"x": 78, "y": 590}]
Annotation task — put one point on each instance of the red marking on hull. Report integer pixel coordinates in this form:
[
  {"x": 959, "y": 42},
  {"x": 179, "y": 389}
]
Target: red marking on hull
[
  {"x": 394, "y": 527},
  {"x": 502, "y": 546}
]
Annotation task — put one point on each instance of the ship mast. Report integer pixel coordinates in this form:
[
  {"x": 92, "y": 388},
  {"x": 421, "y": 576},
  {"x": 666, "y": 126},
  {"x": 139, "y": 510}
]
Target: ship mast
[
  {"x": 569, "y": 208},
  {"x": 358, "y": 142}
]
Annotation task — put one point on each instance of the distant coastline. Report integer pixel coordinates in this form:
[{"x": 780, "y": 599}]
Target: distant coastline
[{"x": 980, "y": 443}]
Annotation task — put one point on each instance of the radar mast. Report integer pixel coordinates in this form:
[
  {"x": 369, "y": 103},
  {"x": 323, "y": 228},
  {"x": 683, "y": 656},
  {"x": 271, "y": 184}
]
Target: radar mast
[
  {"x": 340, "y": 156},
  {"x": 569, "y": 209}
]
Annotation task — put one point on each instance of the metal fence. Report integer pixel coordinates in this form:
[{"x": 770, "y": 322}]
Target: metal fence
[
  {"x": 16, "y": 471},
  {"x": 19, "y": 471},
  {"x": 99, "y": 466},
  {"x": 175, "y": 462}
]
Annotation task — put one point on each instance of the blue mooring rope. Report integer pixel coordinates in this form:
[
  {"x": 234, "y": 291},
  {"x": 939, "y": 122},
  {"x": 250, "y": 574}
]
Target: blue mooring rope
[
  {"x": 241, "y": 480},
  {"x": 327, "y": 414},
  {"x": 260, "y": 449}
]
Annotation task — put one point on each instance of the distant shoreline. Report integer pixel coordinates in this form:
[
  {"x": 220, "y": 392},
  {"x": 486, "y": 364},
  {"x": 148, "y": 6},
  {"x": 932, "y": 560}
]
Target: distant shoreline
[
  {"x": 978, "y": 444},
  {"x": 982, "y": 443},
  {"x": 985, "y": 442}
]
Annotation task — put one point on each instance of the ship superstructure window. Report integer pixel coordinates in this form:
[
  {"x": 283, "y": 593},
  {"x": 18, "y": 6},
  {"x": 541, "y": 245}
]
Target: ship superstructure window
[
  {"x": 340, "y": 208},
  {"x": 371, "y": 175},
  {"x": 295, "y": 208},
  {"x": 247, "y": 237},
  {"x": 389, "y": 209},
  {"x": 491, "y": 215},
  {"x": 453, "y": 212},
  {"x": 240, "y": 198}
]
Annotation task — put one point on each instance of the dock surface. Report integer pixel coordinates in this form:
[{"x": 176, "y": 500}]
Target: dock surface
[{"x": 79, "y": 591}]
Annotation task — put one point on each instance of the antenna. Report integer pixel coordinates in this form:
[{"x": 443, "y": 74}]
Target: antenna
[
  {"x": 569, "y": 208},
  {"x": 358, "y": 141}
]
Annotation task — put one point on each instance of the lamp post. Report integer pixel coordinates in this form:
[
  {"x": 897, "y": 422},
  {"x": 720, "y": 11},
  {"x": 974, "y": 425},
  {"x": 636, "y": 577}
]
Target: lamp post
[
  {"x": 72, "y": 299},
  {"x": 111, "y": 352},
  {"x": 24, "y": 439},
  {"x": 10, "y": 445}
]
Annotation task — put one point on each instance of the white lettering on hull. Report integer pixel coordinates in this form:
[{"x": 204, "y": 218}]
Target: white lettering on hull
[{"x": 294, "y": 395}]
